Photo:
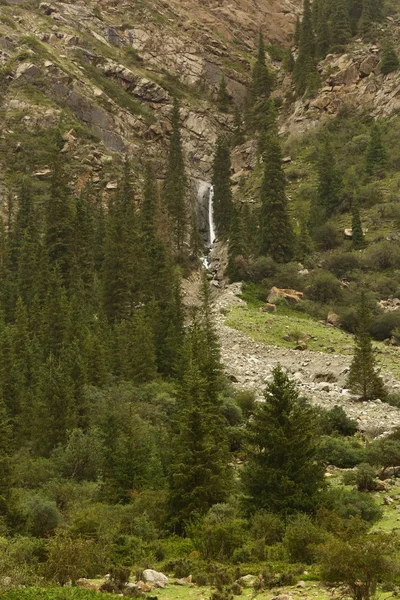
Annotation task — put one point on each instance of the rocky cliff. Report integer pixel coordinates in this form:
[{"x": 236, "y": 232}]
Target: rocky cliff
[{"x": 109, "y": 69}]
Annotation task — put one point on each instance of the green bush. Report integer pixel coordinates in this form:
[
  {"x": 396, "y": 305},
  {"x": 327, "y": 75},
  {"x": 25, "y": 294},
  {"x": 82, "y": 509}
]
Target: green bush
[
  {"x": 71, "y": 558},
  {"x": 349, "y": 319},
  {"x": 327, "y": 237},
  {"x": 43, "y": 516},
  {"x": 81, "y": 458},
  {"x": 323, "y": 287},
  {"x": 267, "y": 526},
  {"x": 342, "y": 263},
  {"x": 351, "y": 504},
  {"x": 264, "y": 267},
  {"x": 384, "y": 325},
  {"x": 383, "y": 256},
  {"x": 365, "y": 477},
  {"x": 247, "y": 402},
  {"x": 302, "y": 538},
  {"x": 340, "y": 452},
  {"x": 220, "y": 533},
  {"x": 335, "y": 420}
]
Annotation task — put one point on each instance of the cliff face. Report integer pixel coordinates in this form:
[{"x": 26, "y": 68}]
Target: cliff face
[
  {"x": 110, "y": 69},
  {"x": 113, "y": 67}
]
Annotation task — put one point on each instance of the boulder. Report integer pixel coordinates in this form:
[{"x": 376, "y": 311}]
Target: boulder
[
  {"x": 154, "y": 577},
  {"x": 269, "y": 308},
  {"x": 292, "y": 296},
  {"x": 387, "y": 500},
  {"x": 27, "y": 71},
  {"x": 87, "y": 584},
  {"x": 184, "y": 581},
  {"x": 368, "y": 65},
  {"x": 333, "y": 319},
  {"x": 47, "y": 8}
]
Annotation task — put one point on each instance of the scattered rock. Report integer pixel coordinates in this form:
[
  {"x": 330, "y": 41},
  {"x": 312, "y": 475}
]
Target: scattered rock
[
  {"x": 387, "y": 500},
  {"x": 291, "y": 296},
  {"x": 154, "y": 577},
  {"x": 269, "y": 308},
  {"x": 333, "y": 319}
]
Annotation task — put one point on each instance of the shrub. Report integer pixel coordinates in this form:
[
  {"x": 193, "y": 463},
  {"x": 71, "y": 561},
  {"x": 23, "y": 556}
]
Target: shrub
[
  {"x": 358, "y": 565},
  {"x": 327, "y": 237},
  {"x": 267, "y": 526},
  {"x": 342, "y": 263},
  {"x": 220, "y": 534},
  {"x": 351, "y": 504},
  {"x": 335, "y": 420},
  {"x": 81, "y": 457},
  {"x": 384, "y": 325},
  {"x": 232, "y": 412},
  {"x": 349, "y": 319},
  {"x": 302, "y": 538},
  {"x": 323, "y": 287},
  {"x": 72, "y": 558},
  {"x": 263, "y": 267},
  {"x": 43, "y": 517},
  {"x": 340, "y": 452},
  {"x": 365, "y": 477},
  {"x": 382, "y": 256},
  {"x": 247, "y": 402}
]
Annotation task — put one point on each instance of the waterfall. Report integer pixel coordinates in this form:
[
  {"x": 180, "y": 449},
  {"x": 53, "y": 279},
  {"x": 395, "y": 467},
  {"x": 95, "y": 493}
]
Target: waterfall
[
  {"x": 211, "y": 229},
  {"x": 205, "y": 198}
]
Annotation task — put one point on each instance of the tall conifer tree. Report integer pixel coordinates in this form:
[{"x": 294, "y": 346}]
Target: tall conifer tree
[
  {"x": 276, "y": 231},
  {"x": 305, "y": 72},
  {"x": 221, "y": 181},
  {"x": 329, "y": 180},
  {"x": 282, "y": 473},
  {"x": 363, "y": 378},
  {"x": 175, "y": 183}
]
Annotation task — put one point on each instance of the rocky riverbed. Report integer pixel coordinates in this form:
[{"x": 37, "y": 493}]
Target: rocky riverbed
[{"x": 320, "y": 377}]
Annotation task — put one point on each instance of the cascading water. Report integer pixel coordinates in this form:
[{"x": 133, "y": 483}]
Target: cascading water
[
  {"x": 211, "y": 230},
  {"x": 205, "y": 193}
]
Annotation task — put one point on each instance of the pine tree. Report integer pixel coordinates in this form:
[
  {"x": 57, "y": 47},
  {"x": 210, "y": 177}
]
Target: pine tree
[
  {"x": 305, "y": 71},
  {"x": 200, "y": 476},
  {"x": 365, "y": 24},
  {"x": 84, "y": 234},
  {"x": 329, "y": 180},
  {"x": 304, "y": 241},
  {"x": 122, "y": 254},
  {"x": 262, "y": 79},
  {"x": 59, "y": 221},
  {"x": 340, "y": 28},
  {"x": 149, "y": 206},
  {"x": 322, "y": 30},
  {"x": 276, "y": 231},
  {"x": 54, "y": 406},
  {"x": 357, "y": 230},
  {"x": 376, "y": 156},
  {"x": 297, "y": 31},
  {"x": 238, "y": 135},
  {"x": 223, "y": 98},
  {"x": 221, "y": 181},
  {"x": 363, "y": 378},
  {"x": 282, "y": 473},
  {"x": 355, "y": 10},
  {"x": 236, "y": 244},
  {"x": 288, "y": 63},
  {"x": 5, "y": 462},
  {"x": 390, "y": 60},
  {"x": 175, "y": 184}
]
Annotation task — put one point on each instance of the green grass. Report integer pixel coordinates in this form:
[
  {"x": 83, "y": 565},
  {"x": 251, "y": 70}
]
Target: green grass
[
  {"x": 53, "y": 594},
  {"x": 270, "y": 329},
  {"x": 117, "y": 93}
]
